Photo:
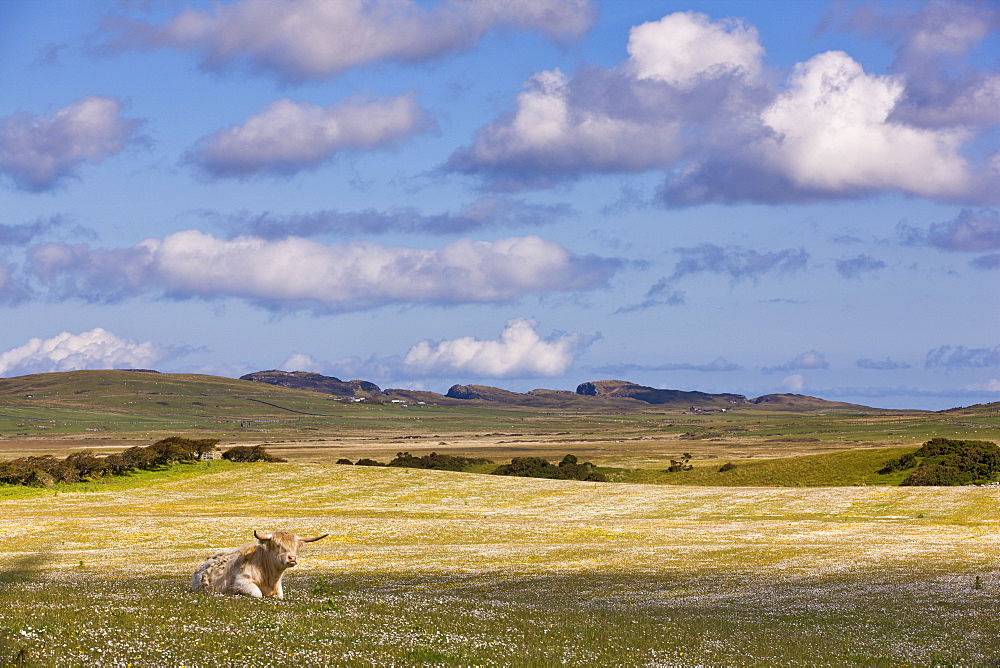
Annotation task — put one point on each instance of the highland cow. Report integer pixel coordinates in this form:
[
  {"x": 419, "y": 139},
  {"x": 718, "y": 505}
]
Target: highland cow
[{"x": 254, "y": 569}]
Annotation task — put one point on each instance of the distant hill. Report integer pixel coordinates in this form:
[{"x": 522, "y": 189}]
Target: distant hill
[
  {"x": 652, "y": 395},
  {"x": 976, "y": 409},
  {"x": 315, "y": 382},
  {"x": 485, "y": 393},
  {"x": 617, "y": 394},
  {"x": 799, "y": 402},
  {"x": 540, "y": 398}
]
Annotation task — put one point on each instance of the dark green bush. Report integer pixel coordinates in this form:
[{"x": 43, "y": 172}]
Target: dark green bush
[
  {"x": 536, "y": 467},
  {"x": 369, "y": 462},
  {"x": 938, "y": 475},
  {"x": 435, "y": 461},
  {"x": 47, "y": 471},
  {"x": 88, "y": 465},
  {"x": 728, "y": 466},
  {"x": 37, "y": 471},
  {"x": 907, "y": 461},
  {"x": 682, "y": 465},
  {"x": 178, "y": 449},
  {"x": 250, "y": 453},
  {"x": 344, "y": 461},
  {"x": 945, "y": 461}
]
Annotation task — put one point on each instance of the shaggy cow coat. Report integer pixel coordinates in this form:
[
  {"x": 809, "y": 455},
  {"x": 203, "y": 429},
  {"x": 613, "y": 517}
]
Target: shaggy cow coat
[{"x": 254, "y": 569}]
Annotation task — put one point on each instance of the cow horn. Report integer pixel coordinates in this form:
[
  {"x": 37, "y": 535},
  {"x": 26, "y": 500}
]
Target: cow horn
[
  {"x": 313, "y": 540},
  {"x": 266, "y": 536}
]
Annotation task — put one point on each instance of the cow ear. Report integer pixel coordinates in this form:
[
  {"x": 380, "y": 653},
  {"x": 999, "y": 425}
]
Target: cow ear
[{"x": 262, "y": 537}]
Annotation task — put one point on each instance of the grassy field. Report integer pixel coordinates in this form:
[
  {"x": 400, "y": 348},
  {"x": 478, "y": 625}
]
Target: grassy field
[
  {"x": 110, "y": 410},
  {"x": 438, "y": 568},
  {"x": 800, "y": 555}
]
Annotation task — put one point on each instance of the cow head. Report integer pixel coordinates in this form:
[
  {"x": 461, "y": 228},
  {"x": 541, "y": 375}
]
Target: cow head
[{"x": 283, "y": 546}]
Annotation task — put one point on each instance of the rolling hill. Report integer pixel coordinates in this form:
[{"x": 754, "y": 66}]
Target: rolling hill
[
  {"x": 618, "y": 394},
  {"x": 60, "y": 412}
]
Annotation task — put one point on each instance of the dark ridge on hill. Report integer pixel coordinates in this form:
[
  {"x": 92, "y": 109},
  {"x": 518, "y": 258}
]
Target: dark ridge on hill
[
  {"x": 315, "y": 382},
  {"x": 975, "y": 409},
  {"x": 484, "y": 393},
  {"x": 540, "y": 398},
  {"x": 801, "y": 402},
  {"x": 73, "y": 386},
  {"x": 652, "y": 395}
]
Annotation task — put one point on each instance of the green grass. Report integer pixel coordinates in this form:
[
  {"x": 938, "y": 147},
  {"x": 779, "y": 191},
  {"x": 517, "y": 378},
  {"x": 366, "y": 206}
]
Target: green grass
[
  {"x": 835, "y": 469},
  {"x": 130, "y": 480},
  {"x": 579, "y": 619},
  {"x": 441, "y": 568},
  {"x": 786, "y": 560}
]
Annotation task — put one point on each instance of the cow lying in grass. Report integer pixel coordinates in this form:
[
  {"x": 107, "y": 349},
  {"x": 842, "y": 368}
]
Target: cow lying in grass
[{"x": 254, "y": 569}]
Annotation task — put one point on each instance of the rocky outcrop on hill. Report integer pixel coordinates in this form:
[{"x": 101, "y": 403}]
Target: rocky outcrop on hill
[
  {"x": 552, "y": 399},
  {"x": 799, "y": 402},
  {"x": 485, "y": 393},
  {"x": 652, "y": 395},
  {"x": 592, "y": 395},
  {"x": 315, "y": 382}
]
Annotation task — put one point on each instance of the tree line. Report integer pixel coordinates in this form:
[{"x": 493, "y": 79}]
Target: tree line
[
  {"x": 526, "y": 467},
  {"x": 46, "y": 470}
]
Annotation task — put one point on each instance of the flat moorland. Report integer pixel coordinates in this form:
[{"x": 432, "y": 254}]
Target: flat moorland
[
  {"x": 440, "y": 568},
  {"x": 110, "y": 410}
]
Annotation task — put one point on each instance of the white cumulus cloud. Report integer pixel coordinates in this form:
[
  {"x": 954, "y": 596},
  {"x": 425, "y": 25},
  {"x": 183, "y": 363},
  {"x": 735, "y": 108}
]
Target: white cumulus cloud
[
  {"x": 96, "y": 349},
  {"x": 286, "y": 136},
  {"x": 315, "y": 39},
  {"x": 694, "y": 102},
  {"x": 519, "y": 352},
  {"x": 37, "y": 153},
  {"x": 554, "y": 133},
  {"x": 932, "y": 42},
  {"x": 833, "y": 133},
  {"x": 298, "y": 273},
  {"x": 683, "y": 46}
]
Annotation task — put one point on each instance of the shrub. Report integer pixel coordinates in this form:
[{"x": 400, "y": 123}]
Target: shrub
[
  {"x": 250, "y": 453},
  {"x": 435, "y": 461},
  {"x": 945, "y": 461},
  {"x": 37, "y": 471},
  {"x": 536, "y": 467},
  {"x": 938, "y": 475},
  {"x": 47, "y": 471},
  {"x": 682, "y": 465},
  {"x": 87, "y": 465},
  {"x": 138, "y": 457},
  {"x": 728, "y": 466},
  {"x": 344, "y": 461},
  {"x": 907, "y": 461},
  {"x": 369, "y": 462}
]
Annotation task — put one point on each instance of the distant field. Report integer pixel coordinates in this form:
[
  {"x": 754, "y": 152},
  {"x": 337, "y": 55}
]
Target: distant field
[
  {"x": 437, "y": 568},
  {"x": 111, "y": 410}
]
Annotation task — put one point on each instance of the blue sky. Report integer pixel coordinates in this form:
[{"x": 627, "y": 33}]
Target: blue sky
[{"x": 717, "y": 196}]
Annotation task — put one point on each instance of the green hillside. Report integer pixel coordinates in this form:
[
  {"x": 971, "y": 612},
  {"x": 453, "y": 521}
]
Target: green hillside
[
  {"x": 59, "y": 412},
  {"x": 833, "y": 469},
  {"x": 136, "y": 403}
]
